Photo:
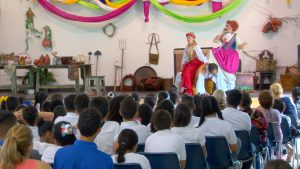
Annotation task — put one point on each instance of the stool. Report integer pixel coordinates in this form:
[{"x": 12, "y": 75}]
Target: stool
[
  {"x": 266, "y": 75},
  {"x": 96, "y": 83}
]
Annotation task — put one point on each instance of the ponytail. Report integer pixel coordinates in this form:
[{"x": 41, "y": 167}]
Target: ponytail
[
  {"x": 127, "y": 140},
  {"x": 15, "y": 146},
  {"x": 121, "y": 153}
]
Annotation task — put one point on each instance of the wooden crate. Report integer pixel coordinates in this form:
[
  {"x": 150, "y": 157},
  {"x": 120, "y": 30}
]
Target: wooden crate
[{"x": 289, "y": 81}]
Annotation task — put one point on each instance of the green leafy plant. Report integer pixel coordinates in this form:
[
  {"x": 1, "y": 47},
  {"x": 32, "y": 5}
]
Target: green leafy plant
[{"x": 50, "y": 76}]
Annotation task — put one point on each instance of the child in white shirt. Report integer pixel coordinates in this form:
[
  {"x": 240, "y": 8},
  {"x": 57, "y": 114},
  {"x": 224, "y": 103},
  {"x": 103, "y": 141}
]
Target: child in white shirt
[
  {"x": 127, "y": 145},
  {"x": 212, "y": 123},
  {"x": 163, "y": 140},
  {"x": 129, "y": 112}
]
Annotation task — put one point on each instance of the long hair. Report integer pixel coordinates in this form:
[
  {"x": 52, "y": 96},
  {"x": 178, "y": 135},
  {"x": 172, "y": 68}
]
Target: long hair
[
  {"x": 16, "y": 146},
  {"x": 127, "y": 140},
  {"x": 209, "y": 106}
]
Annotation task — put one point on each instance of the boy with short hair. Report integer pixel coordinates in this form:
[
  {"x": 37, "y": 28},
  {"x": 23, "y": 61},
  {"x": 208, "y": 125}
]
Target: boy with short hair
[
  {"x": 71, "y": 116},
  {"x": 84, "y": 153},
  {"x": 30, "y": 118},
  {"x": 164, "y": 140},
  {"x": 129, "y": 111}
]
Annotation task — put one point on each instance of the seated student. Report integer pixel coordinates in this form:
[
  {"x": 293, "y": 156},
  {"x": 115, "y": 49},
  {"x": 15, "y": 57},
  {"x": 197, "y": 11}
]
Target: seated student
[
  {"x": 181, "y": 126},
  {"x": 258, "y": 120},
  {"x": 39, "y": 98},
  {"x": 280, "y": 106},
  {"x": 45, "y": 106},
  {"x": 272, "y": 116},
  {"x": 238, "y": 119},
  {"x": 55, "y": 103},
  {"x": 136, "y": 97},
  {"x": 30, "y": 118},
  {"x": 16, "y": 150},
  {"x": 63, "y": 134},
  {"x": 127, "y": 145},
  {"x": 189, "y": 101},
  {"x": 7, "y": 120},
  {"x": 145, "y": 113},
  {"x": 162, "y": 96},
  {"x": 45, "y": 131},
  {"x": 71, "y": 116},
  {"x": 221, "y": 98},
  {"x": 212, "y": 123},
  {"x": 84, "y": 153},
  {"x": 59, "y": 111},
  {"x": 296, "y": 99},
  {"x": 109, "y": 129},
  {"x": 129, "y": 112},
  {"x": 151, "y": 100},
  {"x": 197, "y": 108},
  {"x": 164, "y": 140},
  {"x": 113, "y": 109},
  {"x": 12, "y": 103},
  {"x": 173, "y": 97},
  {"x": 163, "y": 105},
  {"x": 277, "y": 164}
]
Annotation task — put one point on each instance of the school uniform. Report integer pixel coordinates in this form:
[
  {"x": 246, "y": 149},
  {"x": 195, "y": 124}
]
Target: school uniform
[
  {"x": 141, "y": 130},
  {"x": 214, "y": 126},
  {"x": 239, "y": 120},
  {"x": 105, "y": 138},
  {"x": 82, "y": 155},
  {"x": 35, "y": 133},
  {"x": 69, "y": 117},
  {"x": 134, "y": 158},
  {"x": 194, "y": 121},
  {"x": 189, "y": 134},
  {"x": 166, "y": 141},
  {"x": 49, "y": 154}
]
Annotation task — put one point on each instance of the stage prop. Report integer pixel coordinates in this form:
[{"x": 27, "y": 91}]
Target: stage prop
[
  {"x": 291, "y": 78},
  {"x": 47, "y": 41},
  {"x": 117, "y": 8},
  {"x": 122, "y": 47},
  {"x": 154, "y": 57},
  {"x": 146, "y": 79},
  {"x": 113, "y": 30},
  {"x": 265, "y": 66},
  {"x": 31, "y": 31}
]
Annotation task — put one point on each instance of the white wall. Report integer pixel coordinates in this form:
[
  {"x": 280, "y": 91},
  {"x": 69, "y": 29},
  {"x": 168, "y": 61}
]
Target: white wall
[{"x": 73, "y": 38}]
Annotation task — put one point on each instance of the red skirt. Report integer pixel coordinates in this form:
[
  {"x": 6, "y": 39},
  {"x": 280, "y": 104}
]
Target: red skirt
[{"x": 188, "y": 75}]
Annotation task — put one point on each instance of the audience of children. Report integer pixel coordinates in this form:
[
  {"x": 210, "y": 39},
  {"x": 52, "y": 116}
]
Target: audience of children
[
  {"x": 113, "y": 127},
  {"x": 127, "y": 145}
]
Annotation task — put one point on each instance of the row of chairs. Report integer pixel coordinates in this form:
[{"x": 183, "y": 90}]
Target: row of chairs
[{"x": 218, "y": 152}]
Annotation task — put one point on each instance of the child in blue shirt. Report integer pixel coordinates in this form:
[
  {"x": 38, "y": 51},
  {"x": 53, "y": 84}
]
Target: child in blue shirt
[{"x": 84, "y": 153}]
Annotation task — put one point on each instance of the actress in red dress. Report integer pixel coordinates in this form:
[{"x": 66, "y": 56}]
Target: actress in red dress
[{"x": 192, "y": 59}]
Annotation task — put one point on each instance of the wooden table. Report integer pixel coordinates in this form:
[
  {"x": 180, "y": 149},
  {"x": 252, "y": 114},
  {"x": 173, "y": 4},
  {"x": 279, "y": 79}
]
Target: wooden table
[
  {"x": 13, "y": 79},
  {"x": 85, "y": 70}
]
